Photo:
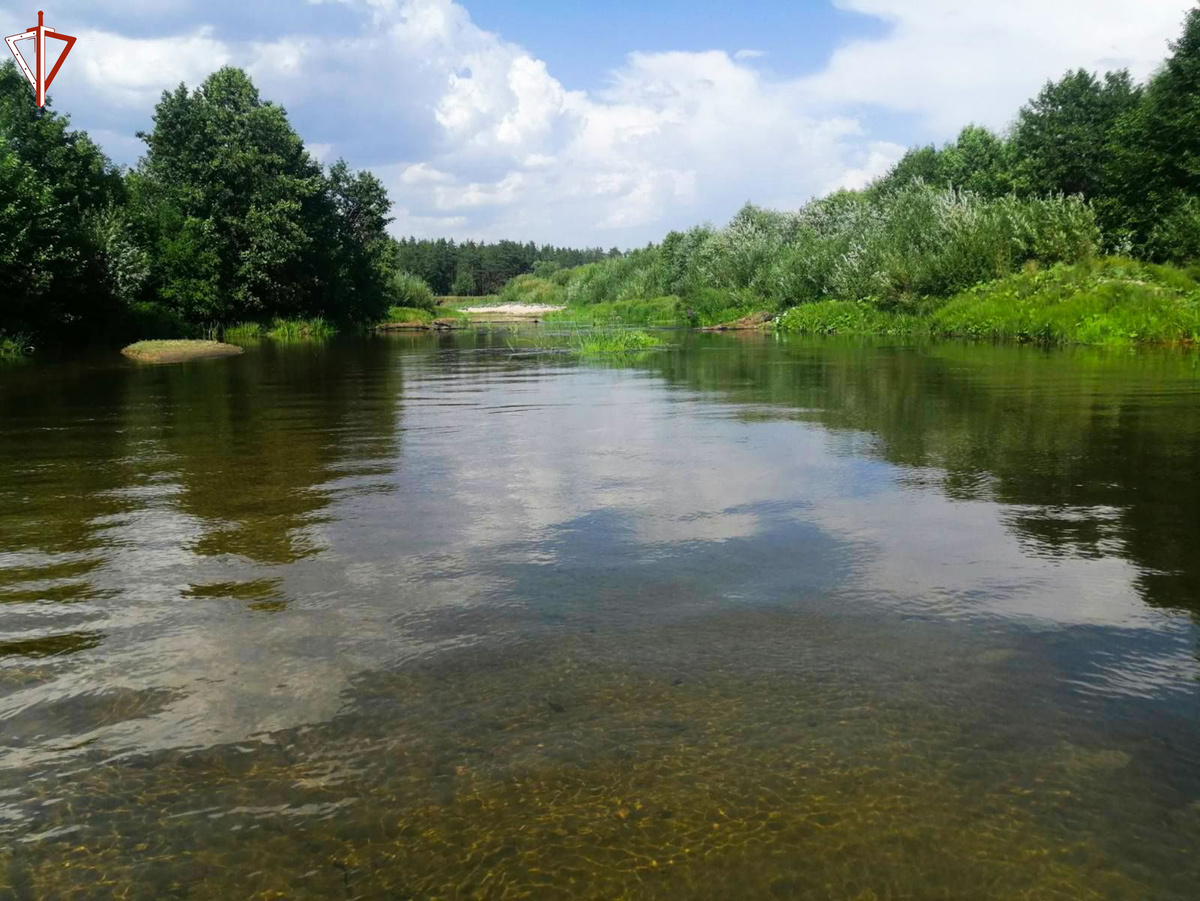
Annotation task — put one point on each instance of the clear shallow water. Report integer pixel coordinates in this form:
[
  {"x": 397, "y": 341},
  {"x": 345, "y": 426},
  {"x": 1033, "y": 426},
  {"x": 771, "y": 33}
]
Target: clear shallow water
[{"x": 424, "y": 617}]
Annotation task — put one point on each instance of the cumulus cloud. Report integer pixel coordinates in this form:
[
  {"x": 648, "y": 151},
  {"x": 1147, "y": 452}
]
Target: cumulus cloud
[
  {"x": 960, "y": 61},
  {"x": 476, "y": 137}
]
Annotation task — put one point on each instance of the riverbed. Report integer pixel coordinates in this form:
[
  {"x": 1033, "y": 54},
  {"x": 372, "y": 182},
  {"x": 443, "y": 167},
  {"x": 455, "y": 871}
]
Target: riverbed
[{"x": 747, "y": 616}]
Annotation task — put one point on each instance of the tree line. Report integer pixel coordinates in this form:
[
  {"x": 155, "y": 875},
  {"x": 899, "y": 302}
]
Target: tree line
[
  {"x": 470, "y": 269},
  {"x": 1131, "y": 150},
  {"x": 227, "y": 218}
]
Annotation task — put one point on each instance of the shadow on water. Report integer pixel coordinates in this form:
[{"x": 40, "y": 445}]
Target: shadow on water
[{"x": 747, "y": 617}]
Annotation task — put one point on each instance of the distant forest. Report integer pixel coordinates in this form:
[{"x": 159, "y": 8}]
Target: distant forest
[{"x": 470, "y": 269}]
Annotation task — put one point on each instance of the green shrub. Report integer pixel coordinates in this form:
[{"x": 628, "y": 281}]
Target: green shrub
[
  {"x": 408, "y": 290},
  {"x": 531, "y": 289}
]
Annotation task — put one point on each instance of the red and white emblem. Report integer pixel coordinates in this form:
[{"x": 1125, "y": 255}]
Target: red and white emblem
[{"x": 38, "y": 33}]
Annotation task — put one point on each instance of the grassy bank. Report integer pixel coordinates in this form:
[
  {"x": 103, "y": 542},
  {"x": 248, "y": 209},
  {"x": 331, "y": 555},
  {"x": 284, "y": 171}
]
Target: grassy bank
[{"x": 1113, "y": 301}]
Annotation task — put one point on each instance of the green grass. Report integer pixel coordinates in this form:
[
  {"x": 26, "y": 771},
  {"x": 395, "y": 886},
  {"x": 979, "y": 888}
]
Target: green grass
[
  {"x": 14, "y": 346},
  {"x": 1109, "y": 302},
  {"x": 243, "y": 331},
  {"x": 617, "y": 341},
  {"x": 408, "y": 314},
  {"x": 705, "y": 308},
  {"x": 301, "y": 329},
  {"x": 409, "y": 290},
  {"x": 844, "y": 317},
  {"x": 655, "y": 311}
]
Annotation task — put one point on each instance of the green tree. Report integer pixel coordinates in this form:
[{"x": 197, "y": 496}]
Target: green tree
[
  {"x": 1154, "y": 159},
  {"x": 236, "y": 207},
  {"x": 364, "y": 256},
  {"x": 1061, "y": 137},
  {"x": 54, "y": 183},
  {"x": 977, "y": 161}
]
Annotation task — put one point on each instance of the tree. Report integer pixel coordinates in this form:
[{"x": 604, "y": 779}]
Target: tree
[
  {"x": 237, "y": 206},
  {"x": 1061, "y": 137},
  {"x": 1153, "y": 175},
  {"x": 54, "y": 182},
  {"x": 364, "y": 260}
]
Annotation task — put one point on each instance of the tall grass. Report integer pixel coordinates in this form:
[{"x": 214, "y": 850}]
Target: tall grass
[
  {"x": 316, "y": 328},
  {"x": 619, "y": 341},
  {"x": 15, "y": 346},
  {"x": 243, "y": 331}
]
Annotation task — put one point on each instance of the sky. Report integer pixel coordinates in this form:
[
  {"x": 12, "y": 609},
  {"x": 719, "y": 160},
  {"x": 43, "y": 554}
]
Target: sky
[{"x": 603, "y": 123}]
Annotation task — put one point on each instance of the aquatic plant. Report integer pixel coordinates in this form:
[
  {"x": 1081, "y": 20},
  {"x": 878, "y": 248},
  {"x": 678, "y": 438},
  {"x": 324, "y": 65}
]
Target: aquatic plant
[
  {"x": 243, "y": 331},
  {"x": 15, "y": 346},
  {"x": 617, "y": 341},
  {"x": 301, "y": 329}
]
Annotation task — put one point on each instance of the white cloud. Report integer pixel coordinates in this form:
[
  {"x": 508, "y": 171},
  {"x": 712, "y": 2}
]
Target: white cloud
[
  {"x": 135, "y": 71},
  {"x": 960, "y": 61},
  {"x": 476, "y": 137},
  {"x": 877, "y": 160}
]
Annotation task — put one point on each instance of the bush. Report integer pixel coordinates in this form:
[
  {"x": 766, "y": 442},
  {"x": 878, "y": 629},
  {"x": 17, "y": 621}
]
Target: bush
[
  {"x": 408, "y": 290},
  {"x": 531, "y": 289}
]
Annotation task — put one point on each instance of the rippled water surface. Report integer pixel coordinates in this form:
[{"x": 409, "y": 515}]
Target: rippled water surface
[{"x": 432, "y": 617}]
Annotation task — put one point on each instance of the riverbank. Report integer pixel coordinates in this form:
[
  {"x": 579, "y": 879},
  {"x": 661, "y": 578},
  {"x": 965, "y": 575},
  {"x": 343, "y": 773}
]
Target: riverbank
[
  {"x": 1108, "y": 301},
  {"x": 1112, "y": 301}
]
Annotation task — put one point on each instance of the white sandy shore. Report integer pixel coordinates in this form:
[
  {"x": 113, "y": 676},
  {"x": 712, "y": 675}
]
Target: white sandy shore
[{"x": 515, "y": 309}]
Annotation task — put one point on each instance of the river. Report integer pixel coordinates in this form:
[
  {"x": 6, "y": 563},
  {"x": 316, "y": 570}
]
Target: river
[{"x": 444, "y": 616}]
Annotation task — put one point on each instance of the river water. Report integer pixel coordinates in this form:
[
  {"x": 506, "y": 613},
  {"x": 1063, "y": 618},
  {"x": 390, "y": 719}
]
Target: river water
[{"x": 745, "y": 617}]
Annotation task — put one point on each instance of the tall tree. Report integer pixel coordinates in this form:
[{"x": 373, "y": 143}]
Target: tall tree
[
  {"x": 1060, "y": 137},
  {"x": 237, "y": 206},
  {"x": 1154, "y": 169},
  {"x": 54, "y": 185}
]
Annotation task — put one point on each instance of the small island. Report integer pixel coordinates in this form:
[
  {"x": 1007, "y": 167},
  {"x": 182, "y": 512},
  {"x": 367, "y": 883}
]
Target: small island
[{"x": 178, "y": 351}]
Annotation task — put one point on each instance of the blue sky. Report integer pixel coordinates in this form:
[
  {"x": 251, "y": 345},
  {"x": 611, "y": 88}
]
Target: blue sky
[{"x": 597, "y": 123}]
